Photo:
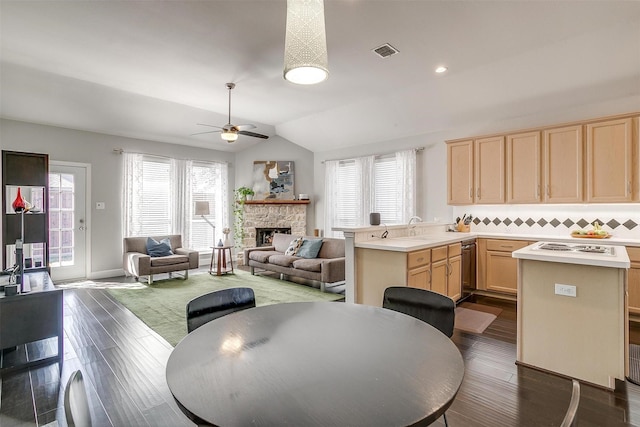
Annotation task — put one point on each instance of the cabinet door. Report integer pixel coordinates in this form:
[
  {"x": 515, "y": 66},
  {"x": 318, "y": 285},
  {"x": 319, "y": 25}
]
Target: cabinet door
[
  {"x": 489, "y": 170},
  {"x": 524, "y": 163},
  {"x": 502, "y": 272},
  {"x": 439, "y": 274},
  {"x": 609, "y": 155},
  {"x": 563, "y": 165},
  {"x": 419, "y": 277},
  {"x": 460, "y": 173},
  {"x": 634, "y": 288},
  {"x": 454, "y": 281}
]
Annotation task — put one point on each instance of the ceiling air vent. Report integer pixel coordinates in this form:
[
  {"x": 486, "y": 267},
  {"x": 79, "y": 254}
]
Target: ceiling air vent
[{"x": 385, "y": 51}]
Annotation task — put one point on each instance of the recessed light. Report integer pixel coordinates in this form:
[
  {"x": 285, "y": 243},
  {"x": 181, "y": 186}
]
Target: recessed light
[{"x": 441, "y": 69}]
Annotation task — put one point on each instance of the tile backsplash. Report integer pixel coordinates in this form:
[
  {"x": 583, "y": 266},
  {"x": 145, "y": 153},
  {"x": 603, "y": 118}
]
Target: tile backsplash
[{"x": 622, "y": 220}]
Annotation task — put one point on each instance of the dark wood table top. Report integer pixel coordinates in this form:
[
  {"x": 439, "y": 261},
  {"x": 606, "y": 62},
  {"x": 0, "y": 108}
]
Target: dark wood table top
[{"x": 315, "y": 364}]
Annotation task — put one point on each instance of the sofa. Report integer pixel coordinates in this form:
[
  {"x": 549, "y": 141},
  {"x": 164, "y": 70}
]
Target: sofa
[
  {"x": 138, "y": 263},
  {"x": 326, "y": 267}
]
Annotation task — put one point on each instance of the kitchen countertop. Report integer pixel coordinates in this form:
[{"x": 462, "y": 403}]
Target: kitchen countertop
[
  {"x": 431, "y": 240},
  {"x": 619, "y": 259}
]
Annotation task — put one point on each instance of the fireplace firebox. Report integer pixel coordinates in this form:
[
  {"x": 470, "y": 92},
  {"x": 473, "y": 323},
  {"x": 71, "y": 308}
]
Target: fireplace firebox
[{"x": 264, "y": 236}]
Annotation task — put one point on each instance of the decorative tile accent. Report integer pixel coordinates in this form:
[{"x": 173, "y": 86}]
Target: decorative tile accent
[
  {"x": 630, "y": 224},
  {"x": 529, "y": 222},
  {"x": 554, "y": 222},
  {"x": 486, "y": 221},
  {"x": 496, "y": 221},
  {"x": 613, "y": 224},
  {"x": 542, "y": 222},
  {"x": 507, "y": 221},
  {"x": 582, "y": 223},
  {"x": 518, "y": 222},
  {"x": 476, "y": 220},
  {"x": 568, "y": 223}
]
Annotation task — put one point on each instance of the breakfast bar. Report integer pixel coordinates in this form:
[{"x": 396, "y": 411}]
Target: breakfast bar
[{"x": 572, "y": 310}]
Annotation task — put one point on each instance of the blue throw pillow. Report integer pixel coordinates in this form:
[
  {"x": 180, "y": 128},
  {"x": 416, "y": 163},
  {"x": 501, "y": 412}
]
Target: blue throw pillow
[
  {"x": 161, "y": 248},
  {"x": 310, "y": 248}
]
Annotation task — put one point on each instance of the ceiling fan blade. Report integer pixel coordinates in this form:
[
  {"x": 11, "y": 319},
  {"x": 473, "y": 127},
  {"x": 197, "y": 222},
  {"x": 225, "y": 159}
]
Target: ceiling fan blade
[
  {"x": 209, "y": 131},
  {"x": 245, "y": 127},
  {"x": 255, "y": 135},
  {"x": 211, "y": 126}
]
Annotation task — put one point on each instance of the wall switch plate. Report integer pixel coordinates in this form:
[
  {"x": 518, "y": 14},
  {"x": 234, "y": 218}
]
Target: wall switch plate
[
  {"x": 565, "y": 290},
  {"x": 100, "y": 205}
]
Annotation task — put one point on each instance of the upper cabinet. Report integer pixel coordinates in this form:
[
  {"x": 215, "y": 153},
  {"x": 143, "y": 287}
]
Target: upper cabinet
[
  {"x": 595, "y": 161},
  {"x": 609, "y": 161},
  {"x": 563, "y": 160},
  {"x": 524, "y": 164},
  {"x": 460, "y": 173},
  {"x": 489, "y": 170}
]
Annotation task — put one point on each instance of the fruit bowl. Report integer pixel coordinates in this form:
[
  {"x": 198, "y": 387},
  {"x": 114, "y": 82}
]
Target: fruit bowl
[{"x": 590, "y": 236}]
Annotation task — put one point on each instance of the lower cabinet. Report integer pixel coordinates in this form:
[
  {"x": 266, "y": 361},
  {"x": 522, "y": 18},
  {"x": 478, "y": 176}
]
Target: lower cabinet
[
  {"x": 446, "y": 270},
  {"x": 634, "y": 280},
  {"x": 497, "y": 270},
  {"x": 418, "y": 269}
]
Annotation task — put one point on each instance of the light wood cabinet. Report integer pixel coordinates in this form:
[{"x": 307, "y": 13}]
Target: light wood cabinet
[
  {"x": 418, "y": 269},
  {"x": 489, "y": 170},
  {"x": 496, "y": 266},
  {"x": 609, "y": 161},
  {"x": 524, "y": 166},
  {"x": 563, "y": 165},
  {"x": 446, "y": 270},
  {"x": 460, "y": 173},
  {"x": 634, "y": 280}
]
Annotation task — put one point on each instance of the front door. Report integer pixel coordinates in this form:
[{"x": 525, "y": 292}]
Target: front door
[{"x": 67, "y": 221}]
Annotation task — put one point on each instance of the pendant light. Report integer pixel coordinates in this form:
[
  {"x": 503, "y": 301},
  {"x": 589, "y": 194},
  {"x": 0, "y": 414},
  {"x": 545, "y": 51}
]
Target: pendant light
[{"x": 305, "y": 47}]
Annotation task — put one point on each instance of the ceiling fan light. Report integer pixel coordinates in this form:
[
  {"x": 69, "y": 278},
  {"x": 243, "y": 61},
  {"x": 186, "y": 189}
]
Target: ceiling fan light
[
  {"x": 305, "y": 47},
  {"x": 229, "y": 136}
]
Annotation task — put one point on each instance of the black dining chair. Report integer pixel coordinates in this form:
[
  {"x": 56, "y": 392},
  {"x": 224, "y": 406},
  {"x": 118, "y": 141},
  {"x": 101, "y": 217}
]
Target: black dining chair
[
  {"x": 431, "y": 307},
  {"x": 76, "y": 403},
  {"x": 208, "y": 307}
]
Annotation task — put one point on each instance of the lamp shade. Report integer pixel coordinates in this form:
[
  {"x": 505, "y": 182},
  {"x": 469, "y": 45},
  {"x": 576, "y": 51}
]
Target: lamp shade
[
  {"x": 305, "y": 47},
  {"x": 202, "y": 208}
]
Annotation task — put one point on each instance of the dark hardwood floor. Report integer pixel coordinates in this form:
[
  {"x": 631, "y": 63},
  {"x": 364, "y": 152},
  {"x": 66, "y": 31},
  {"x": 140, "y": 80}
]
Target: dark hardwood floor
[{"x": 123, "y": 362}]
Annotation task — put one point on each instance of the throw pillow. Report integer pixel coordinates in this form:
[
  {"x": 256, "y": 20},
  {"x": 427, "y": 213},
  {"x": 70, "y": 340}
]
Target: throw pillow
[
  {"x": 157, "y": 249},
  {"x": 310, "y": 248},
  {"x": 294, "y": 246}
]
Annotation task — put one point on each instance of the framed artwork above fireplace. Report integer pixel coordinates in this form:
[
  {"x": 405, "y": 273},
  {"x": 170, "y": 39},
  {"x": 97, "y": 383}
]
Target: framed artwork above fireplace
[{"x": 273, "y": 179}]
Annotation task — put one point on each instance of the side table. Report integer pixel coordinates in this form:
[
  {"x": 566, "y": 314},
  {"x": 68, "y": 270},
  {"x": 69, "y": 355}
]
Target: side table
[{"x": 219, "y": 260}]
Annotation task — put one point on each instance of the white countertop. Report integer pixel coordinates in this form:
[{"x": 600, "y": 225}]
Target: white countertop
[
  {"x": 619, "y": 259},
  {"x": 431, "y": 240}
]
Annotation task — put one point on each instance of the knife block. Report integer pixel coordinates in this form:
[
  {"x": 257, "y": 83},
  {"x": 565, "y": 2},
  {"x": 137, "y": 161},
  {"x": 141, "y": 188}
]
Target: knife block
[{"x": 463, "y": 228}]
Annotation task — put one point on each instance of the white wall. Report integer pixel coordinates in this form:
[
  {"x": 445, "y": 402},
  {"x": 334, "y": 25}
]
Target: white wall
[
  {"x": 278, "y": 148},
  {"x": 432, "y": 162},
  {"x": 97, "y": 149}
]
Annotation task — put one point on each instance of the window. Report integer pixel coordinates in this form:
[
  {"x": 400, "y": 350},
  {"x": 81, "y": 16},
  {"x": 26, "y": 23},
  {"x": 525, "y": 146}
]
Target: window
[
  {"x": 356, "y": 187},
  {"x": 160, "y": 195}
]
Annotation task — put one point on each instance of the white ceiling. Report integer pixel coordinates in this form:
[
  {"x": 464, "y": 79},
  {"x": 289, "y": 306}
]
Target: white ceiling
[{"x": 153, "y": 69}]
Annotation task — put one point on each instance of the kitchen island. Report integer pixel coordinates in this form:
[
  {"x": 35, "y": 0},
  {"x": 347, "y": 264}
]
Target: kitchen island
[{"x": 572, "y": 310}]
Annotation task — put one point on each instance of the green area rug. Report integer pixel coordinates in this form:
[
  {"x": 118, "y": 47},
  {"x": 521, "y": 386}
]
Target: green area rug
[{"x": 162, "y": 306}]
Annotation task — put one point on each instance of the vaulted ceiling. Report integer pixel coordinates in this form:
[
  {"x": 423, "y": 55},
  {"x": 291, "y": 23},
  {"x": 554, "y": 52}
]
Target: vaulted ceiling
[{"x": 152, "y": 69}]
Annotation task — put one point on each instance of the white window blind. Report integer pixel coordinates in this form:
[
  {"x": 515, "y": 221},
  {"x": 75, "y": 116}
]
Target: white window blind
[
  {"x": 206, "y": 186},
  {"x": 155, "y": 197},
  {"x": 386, "y": 189},
  {"x": 346, "y": 206}
]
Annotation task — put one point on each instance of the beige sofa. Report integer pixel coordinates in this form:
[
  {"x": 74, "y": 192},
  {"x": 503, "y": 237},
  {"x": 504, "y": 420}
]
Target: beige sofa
[
  {"x": 137, "y": 263},
  {"x": 327, "y": 267}
]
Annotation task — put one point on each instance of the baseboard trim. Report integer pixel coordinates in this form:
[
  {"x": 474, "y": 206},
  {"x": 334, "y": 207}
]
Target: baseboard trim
[{"x": 105, "y": 274}]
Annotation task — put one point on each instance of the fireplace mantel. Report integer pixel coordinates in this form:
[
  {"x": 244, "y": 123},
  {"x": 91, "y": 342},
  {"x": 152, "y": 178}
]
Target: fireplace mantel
[{"x": 276, "y": 202}]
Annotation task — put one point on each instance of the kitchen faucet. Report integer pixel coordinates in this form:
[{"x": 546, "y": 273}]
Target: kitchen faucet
[{"x": 412, "y": 231}]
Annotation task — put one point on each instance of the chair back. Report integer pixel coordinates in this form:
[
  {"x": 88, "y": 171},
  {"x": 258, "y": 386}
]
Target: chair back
[
  {"x": 570, "y": 416},
  {"x": 76, "y": 403},
  {"x": 430, "y": 307},
  {"x": 208, "y": 307}
]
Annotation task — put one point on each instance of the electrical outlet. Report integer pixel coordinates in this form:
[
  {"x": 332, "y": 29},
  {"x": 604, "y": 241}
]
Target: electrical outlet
[{"x": 565, "y": 290}]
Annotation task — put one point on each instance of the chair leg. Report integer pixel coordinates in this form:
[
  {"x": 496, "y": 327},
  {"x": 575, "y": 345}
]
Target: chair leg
[
  {"x": 186, "y": 274},
  {"x": 170, "y": 275},
  {"x": 322, "y": 286},
  {"x": 150, "y": 279},
  {"x": 445, "y": 419},
  {"x": 252, "y": 270}
]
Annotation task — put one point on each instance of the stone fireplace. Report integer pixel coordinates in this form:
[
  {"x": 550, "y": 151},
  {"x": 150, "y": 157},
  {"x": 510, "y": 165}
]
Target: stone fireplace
[
  {"x": 272, "y": 215},
  {"x": 264, "y": 236}
]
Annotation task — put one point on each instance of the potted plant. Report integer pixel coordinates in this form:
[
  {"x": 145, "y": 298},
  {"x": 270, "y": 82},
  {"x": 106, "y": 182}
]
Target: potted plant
[{"x": 243, "y": 193}]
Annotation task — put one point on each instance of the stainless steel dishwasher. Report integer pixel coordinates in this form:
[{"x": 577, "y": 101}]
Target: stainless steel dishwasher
[{"x": 468, "y": 268}]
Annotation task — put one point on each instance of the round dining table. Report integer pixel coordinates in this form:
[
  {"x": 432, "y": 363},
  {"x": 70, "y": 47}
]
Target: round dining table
[{"x": 315, "y": 364}]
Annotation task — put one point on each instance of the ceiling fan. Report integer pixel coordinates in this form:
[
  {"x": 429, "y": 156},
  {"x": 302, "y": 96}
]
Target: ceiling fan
[{"x": 230, "y": 132}]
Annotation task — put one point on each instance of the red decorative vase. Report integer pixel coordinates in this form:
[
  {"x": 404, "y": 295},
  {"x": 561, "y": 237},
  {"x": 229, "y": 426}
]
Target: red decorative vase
[{"x": 18, "y": 204}]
